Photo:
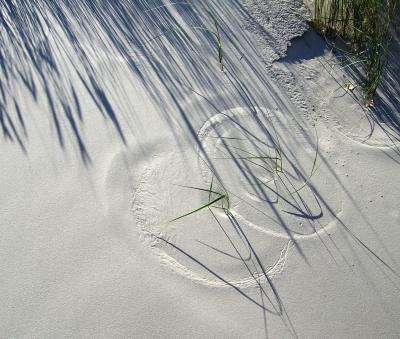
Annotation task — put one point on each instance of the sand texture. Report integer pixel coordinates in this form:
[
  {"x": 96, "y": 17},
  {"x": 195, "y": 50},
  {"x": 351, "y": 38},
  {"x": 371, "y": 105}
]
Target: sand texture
[{"x": 112, "y": 133}]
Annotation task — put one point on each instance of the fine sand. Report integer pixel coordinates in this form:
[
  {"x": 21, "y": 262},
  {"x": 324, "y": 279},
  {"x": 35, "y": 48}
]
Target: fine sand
[{"x": 109, "y": 134}]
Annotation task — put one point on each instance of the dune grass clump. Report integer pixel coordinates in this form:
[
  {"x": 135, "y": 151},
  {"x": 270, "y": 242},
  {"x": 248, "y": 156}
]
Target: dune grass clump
[
  {"x": 214, "y": 32},
  {"x": 364, "y": 27}
]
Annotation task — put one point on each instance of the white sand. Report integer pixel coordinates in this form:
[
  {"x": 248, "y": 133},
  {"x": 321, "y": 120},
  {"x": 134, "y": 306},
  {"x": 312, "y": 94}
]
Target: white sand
[{"x": 101, "y": 134}]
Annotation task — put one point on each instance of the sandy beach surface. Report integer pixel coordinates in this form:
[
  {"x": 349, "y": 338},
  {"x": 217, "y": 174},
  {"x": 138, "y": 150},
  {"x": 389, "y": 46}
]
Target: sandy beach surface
[{"x": 111, "y": 130}]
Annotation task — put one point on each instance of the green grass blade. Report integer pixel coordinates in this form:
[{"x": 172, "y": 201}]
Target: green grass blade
[
  {"x": 199, "y": 209},
  {"x": 216, "y": 33},
  {"x": 226, "y": 195}
]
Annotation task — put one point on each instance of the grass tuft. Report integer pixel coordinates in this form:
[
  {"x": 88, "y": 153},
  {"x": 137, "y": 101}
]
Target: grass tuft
[
  {"x": 213, "y": 197},
  {"x": 364, "y": 26}
]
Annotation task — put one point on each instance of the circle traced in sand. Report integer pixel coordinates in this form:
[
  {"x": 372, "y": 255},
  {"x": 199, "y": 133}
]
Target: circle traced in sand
[
  {"x": 238, "y": 163},
  {"x": 207, "y": 246},
  {"x": 271, "y": 168},
  {"x": 361, "y": 125}
]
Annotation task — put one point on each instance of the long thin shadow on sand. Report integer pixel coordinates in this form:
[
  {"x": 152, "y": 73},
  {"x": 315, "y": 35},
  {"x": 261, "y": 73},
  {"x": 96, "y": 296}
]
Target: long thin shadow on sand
[
  {"x": 119, "y": 29},
  {"x": 32, "y": 62},
  {"x": 270, "y": 301},
  {"x": 28, "y": 57},
  {"x": 313, "y": 217},
  {"x": 37, "y": 40}
]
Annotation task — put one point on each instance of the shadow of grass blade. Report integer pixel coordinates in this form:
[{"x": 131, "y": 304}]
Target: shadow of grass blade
[{"x": 313, "y": 169}]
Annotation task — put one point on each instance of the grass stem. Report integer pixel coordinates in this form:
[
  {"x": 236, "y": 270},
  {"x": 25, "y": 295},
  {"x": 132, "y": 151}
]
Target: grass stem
[
  {"x": 214, "y": 32},
  {"x": 364, "y": 26}
]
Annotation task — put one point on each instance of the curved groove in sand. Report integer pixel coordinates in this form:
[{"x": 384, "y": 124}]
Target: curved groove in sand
[
  {"x": 205, "y": 247},
  {"x": 241, "y": 147},
  {"x": 210, "y": 247}
]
